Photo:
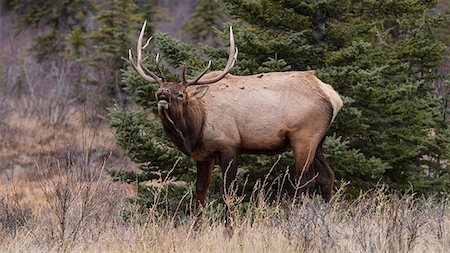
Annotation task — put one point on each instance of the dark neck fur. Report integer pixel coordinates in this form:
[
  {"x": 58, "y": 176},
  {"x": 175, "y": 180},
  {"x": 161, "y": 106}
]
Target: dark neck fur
[{"x": 185, "y": 131}]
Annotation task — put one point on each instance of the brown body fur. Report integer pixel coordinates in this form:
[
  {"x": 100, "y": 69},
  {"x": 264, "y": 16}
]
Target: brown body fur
[
  {"x": 267, "y": 113},
  {"x": 259, "y": 114}
]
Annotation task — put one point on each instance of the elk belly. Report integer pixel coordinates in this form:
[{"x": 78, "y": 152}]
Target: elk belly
[{"x": 264, "y": 140}]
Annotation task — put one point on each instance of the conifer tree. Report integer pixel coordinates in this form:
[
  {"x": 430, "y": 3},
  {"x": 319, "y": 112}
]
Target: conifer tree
[
  {"x": 64, "y": 18},
  {"x": 119, "y": 19},
  {"x": 208, "y": 14}
]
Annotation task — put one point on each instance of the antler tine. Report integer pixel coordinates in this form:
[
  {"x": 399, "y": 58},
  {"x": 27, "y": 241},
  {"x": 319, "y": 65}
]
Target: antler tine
[
  {"x": 232, "y": 57},
  {"x": 158, "y": 61},
  {"x": 136, "y": 68},
  {"x": 233, "y": 61},
  {"x": 146, "y": 43},
  {"x": 184, "y": 81},
  {"x": 138, "y": 65},
  {"x": 193, "y": 82}
]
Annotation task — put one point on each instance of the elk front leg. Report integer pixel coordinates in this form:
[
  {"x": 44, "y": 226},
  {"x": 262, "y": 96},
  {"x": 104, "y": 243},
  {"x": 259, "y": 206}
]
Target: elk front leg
[
  {"x": 228, "y": 165},
  {"x": 204, "y": 175}
]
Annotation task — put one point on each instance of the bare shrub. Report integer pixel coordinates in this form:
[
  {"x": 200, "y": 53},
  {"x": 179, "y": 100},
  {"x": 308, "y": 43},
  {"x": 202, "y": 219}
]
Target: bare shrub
[
  {"x": 4, "y": 106},
  {"x": 6, "y": 88},
  {"x": 49, "y": 90},
  {"x": 302, "y": 226},
  {"x": 78, "y": 204},
  {"x": 13, "y": 215}
]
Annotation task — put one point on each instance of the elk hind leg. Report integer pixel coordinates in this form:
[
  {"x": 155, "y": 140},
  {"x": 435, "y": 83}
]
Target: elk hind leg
[
  {"x": 228, "y": 164},
  {"x": 325, "y": 175},
  {"x": 304, "y": 152}
]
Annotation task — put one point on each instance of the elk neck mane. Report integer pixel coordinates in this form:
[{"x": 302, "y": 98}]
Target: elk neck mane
[{"x": 185, "y": 131}]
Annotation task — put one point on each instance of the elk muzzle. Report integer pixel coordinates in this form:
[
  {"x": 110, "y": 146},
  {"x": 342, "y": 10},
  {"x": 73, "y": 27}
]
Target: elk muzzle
[{"x": 163, "y": 96}]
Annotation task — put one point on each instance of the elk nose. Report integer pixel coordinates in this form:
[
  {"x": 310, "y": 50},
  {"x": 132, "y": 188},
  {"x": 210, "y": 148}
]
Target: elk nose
[
  {"x": 163, "y": 90},
  {"x": 162, "y": 93}
]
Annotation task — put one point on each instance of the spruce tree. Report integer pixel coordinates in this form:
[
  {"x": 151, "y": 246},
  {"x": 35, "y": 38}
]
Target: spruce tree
[
  {"x": 63, "y": 18},
  {"x": 119, "y": 19},
  {"x": 207, "y": 15}
]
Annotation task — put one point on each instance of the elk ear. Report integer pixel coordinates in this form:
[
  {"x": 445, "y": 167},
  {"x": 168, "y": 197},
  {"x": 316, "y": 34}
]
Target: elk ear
[{"x": 198, "y": 92}]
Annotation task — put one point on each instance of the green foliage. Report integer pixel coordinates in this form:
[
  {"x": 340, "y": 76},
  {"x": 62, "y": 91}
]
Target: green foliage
[
  {"x": 112, "y": 38},
  {"x": 120, "y": 21},
  {"x": 62, "y": 17},
  {"x": 274, "y": 65},
  {"x": 351, "y": 165},
  {"x": 207, "y": 14},
  {"x": 136, "y": 133},
  {"x": 158, "y": 159},
  {"x": 149, "y": 11},
  {"x": 178, "y": 54},
  {"x": 94, "y": 34}
]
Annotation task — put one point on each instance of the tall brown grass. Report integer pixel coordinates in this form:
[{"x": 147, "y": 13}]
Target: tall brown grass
[{"x": 80, "y": 211}]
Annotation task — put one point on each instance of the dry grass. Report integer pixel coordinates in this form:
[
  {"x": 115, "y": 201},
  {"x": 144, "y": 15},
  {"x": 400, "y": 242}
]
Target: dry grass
[
  {"x": 23, "y": 135},
  {"x": 376, "y": 222},
  {"x": 26, "y": 142}
]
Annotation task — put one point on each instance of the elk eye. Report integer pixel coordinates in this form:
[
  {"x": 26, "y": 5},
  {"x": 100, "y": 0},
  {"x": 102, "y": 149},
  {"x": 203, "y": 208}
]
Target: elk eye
[{"x": 180, "y": 95}]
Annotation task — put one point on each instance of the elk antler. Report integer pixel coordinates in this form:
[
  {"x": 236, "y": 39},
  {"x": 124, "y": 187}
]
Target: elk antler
[
  {"x": 140, "y": 69},
  {"x": 158, "y": 60},
  {"x": 232, "y": 57}
]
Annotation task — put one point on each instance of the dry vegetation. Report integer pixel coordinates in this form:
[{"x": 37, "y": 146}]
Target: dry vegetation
[{"x": 80, "y": 213}]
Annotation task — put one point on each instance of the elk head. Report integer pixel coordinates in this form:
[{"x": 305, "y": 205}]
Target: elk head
[{"x": 172, "y": 96}]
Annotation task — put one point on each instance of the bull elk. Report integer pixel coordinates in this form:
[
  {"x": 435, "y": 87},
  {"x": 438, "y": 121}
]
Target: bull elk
[{"x": 222, "y": 115}]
